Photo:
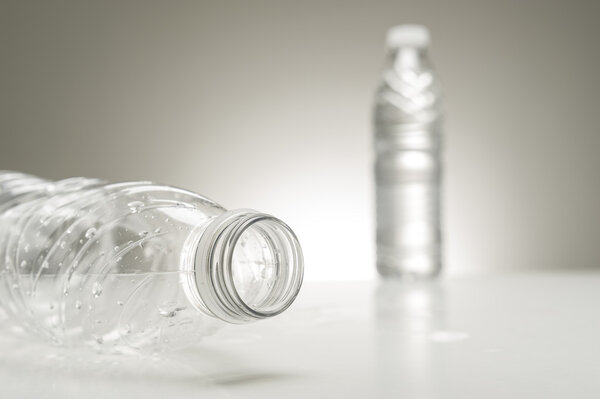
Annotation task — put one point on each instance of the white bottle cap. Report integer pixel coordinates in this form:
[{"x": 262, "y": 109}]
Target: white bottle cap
[{"x": 407, "y": 36}]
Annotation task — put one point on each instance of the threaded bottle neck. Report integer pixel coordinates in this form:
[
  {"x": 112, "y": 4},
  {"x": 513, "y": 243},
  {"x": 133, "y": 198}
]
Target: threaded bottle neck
[{"x": 248, "y": 266}]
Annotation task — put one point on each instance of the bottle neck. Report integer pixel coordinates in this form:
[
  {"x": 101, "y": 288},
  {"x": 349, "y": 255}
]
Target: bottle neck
[
  {"x": 247, "y": 266},
  {"x": 408, "y": 58}
]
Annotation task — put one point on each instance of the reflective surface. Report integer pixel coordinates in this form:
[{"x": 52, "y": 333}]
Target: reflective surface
[{"x": 505, "y": 336}]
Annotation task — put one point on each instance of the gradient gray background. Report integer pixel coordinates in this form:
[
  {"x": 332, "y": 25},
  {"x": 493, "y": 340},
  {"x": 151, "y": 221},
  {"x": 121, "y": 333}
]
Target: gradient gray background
[{"x": 266, "y": 104}]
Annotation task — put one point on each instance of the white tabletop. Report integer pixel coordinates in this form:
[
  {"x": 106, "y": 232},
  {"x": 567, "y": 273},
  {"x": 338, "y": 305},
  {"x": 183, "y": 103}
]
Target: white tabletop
[{"x": 502, "y": 336}]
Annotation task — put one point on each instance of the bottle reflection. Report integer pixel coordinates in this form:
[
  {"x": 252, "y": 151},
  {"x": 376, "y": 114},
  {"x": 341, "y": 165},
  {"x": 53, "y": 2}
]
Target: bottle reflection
[{"x": 408, "y": 314}]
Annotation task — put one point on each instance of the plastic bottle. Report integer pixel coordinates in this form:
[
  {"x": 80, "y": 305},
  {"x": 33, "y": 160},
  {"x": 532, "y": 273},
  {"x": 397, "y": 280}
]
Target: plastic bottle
[
  {"x": 408, "y": 143},
  {"x": 137, "y": 266}
]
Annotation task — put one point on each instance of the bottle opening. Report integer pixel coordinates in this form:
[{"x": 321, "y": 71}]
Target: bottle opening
[
  {"x": 248, "y": 266},
  {"x": 264, "y": 265}
]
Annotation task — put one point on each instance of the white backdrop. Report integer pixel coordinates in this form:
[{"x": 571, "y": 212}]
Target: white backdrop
[{"x": 267, "y": 105}]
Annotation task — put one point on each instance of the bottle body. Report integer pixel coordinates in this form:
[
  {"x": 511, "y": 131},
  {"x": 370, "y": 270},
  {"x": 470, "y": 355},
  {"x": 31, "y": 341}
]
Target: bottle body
[
  {"x": 408, "y": 168},
  {"x": 115, "y": 265}
]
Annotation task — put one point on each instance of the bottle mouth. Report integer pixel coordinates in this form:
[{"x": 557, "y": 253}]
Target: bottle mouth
[{"x": 248, "y": 266}]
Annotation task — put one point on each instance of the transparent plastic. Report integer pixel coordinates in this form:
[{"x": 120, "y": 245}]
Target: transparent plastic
[
  {"x": 408, "y": 165},
  {"x": 136, "y": 266}
]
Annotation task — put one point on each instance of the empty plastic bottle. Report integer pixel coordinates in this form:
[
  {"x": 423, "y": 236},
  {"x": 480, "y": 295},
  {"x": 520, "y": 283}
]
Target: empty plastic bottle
[
  {"x": 408, "y": 143},
  {"x": 137, "y": 266}
]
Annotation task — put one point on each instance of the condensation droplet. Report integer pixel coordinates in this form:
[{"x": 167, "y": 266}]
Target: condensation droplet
[
  {"x": 26, "y": 248},
  {"x": 135, "y": 206},
  {"x": 116, "y": 248},
  {"x": 120, "y": 303},
  {"x": 97, "y": 289},
  {"x": 78, "y": 305},
  {"x": 90, "y": 233},
  {"x": 169, "y": 311},
  {"x": 45, "y": 265},
  {"x": 143, "y": 233},
  {"x": 24, "y": 263},
  {"x": 157, "y": 230},
  {"x": 62, "y": 244}
]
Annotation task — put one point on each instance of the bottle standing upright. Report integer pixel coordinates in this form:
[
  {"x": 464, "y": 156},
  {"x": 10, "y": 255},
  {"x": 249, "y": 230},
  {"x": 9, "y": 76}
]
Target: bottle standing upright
[{"x": 408, "y": 169}]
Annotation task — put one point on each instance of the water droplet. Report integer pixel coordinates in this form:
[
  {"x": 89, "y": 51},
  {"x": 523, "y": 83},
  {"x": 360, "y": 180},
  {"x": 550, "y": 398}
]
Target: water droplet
[
  {"x": 127, "y": 329},
  {"x": 51, "y": 307},
  {"x": 166, "y": 220},
  {"x": 99, "y": 340},
  {"x": 26, "y": 248},
  {"x": 169, "y": 311},
  {"x": 15, "y": 286},
  {"x": 135, "y": 206},
  {"x": 143, "y": 233},
  {"x": 62, "y": 244},
  {"x": 69, "y": 231},
  {"x": 157, "y": 230},
  {"x": 60, "y": 264},
  {"x": 116, "y": 248},
  {"x": 90, "y": 233},
  {"x": 98, "y": 321},
  {"x": 78, "y": 305},
  {"x": 24, "y": 263},
  {"x": 120, "y": 303},
  {"x": 97, "y": 289},
  {"x": 81, "y": 241},
  {"x": 45, "y": 265},
  {"x": 66, "y": 291}
]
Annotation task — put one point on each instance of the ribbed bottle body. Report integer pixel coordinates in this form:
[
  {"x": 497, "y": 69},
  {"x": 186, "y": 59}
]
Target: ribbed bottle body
[{"x": 85, "y": 262}]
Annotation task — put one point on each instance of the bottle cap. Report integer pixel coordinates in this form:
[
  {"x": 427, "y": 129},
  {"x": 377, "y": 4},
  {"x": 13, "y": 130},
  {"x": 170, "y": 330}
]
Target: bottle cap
[{"x": 407, "y": 36}]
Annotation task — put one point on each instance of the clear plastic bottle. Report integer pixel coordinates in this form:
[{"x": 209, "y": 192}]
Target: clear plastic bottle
[
  {"x": 137, "y": 266},
  {"x": 408, "y": 143}
]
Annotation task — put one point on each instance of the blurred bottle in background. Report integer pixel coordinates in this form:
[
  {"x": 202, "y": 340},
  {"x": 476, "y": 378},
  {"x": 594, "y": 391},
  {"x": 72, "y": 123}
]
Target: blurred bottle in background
[{"x": 408, "y": 169}]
